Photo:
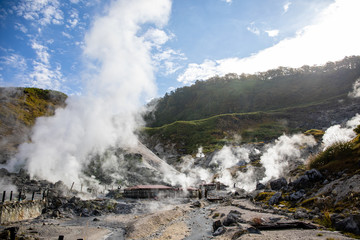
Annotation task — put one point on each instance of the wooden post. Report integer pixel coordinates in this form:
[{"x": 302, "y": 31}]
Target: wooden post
[
  {"x": 3, "y": 198},
  {"x": 33, "y": 195},
  {"x": 72, "y": 185},
  {"x": 19, "y": 199},
  {"x": 11, "y": 195}
]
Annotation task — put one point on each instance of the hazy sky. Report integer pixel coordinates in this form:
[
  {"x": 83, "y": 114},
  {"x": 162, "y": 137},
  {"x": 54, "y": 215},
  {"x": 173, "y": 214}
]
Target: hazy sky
[{"x": 42, "y": 42}]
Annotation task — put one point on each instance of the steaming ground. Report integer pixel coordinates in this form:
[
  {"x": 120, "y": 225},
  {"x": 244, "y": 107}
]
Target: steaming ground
[{"x": 118, "y": 79}]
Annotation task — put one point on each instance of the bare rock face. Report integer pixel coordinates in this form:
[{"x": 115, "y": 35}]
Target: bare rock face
[{"x": 341, "y": 188}]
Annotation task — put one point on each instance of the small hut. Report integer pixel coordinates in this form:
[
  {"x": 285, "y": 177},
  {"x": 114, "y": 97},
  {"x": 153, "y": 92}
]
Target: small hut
[{"x": 149, "y": 191}]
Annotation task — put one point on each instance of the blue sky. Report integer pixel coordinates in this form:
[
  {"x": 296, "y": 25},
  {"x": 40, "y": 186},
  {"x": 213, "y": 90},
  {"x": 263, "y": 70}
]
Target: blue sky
[{"x": 42, "y": 42}]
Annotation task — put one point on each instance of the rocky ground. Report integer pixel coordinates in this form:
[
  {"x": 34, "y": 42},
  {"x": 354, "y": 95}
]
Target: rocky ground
[
  {"x": 235, "y": 219},
  {"x": 310, "y": 205}
]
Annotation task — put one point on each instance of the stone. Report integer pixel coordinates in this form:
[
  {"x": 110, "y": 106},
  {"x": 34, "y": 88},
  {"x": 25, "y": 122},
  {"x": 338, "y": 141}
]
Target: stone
[
  {"x": 196, "y": 204},
  {"x": 260, "y": 186},
  {"x": 314, "y": 175},
  {"x": 238, "y": 234},
  {"x": 253, "y": 230},
  {"x": 216, "y": 225},
  {"x": 297, "y": 195},
  {"x": 219, "y": 231},
  {"x": 232, "y": 218},
  {"x": 300, "y": 214},
  {"x": 278, "y": 184},
  {"x": 350, "y": 224},
  {"x": 301, "y": 182},
  {"x": 275, "y": 198}
]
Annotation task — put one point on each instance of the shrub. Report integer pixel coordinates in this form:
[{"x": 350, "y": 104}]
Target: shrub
[{"x": 332, "y": 153}]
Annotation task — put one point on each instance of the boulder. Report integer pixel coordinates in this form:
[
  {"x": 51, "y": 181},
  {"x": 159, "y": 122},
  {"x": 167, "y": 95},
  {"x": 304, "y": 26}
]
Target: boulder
[
  {"x": 350, "y": 224},
  {"x": 297, "y": 195},
  {"x": 314, "y": 175},
  {"x": 260, "y": 186},
  {"x": 301, "y": 182},
  {"x": 219, "y": 231},
  {"x": 275, "y": 198},
  {"x": 232, "y": 218},
  {"x": 278, "y": 184},
  {"x": 216, "y": 225}
]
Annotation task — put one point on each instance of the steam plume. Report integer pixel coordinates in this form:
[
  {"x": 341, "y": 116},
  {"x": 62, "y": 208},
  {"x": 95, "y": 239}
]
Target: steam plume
[
  {"x": 337, "y": 133},
  {"x": 119, "y": 78}
]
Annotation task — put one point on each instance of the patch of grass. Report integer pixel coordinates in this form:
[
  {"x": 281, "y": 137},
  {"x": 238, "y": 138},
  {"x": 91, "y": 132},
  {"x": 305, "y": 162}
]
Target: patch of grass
[
  {"x": 317, "y": 134},
  {"x": 333, "y": 153},
  {"x": 264, "y": 196}
]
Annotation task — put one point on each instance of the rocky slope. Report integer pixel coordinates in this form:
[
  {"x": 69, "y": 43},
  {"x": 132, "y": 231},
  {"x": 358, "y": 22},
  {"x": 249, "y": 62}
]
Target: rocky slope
[{"x": 19, "y": 108}]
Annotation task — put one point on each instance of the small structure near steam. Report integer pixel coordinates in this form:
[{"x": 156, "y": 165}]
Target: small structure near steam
[
  {"x": 155, "y": 191},
  {"x": 148, "y": 191}
]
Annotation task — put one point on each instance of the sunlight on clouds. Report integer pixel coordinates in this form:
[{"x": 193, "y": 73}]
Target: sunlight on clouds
[{"x": 334, "y": 36}]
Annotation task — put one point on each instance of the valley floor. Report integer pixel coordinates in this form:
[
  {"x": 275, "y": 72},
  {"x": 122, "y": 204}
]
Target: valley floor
[{"x": 173, "y": 220}]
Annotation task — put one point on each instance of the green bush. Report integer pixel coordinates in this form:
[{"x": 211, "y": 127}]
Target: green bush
[{"x": 332, "y": 153}]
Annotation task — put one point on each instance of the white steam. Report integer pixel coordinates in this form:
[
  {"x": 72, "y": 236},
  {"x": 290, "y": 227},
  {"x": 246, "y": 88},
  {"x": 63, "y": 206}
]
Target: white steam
[
  {"x": 356, "y": 89},
  {"x": 338, "y": 134},
  {"x": 120, "y": 76},
  {"x": 276, "y": 159},
  {"x": 285, "y": 150}
]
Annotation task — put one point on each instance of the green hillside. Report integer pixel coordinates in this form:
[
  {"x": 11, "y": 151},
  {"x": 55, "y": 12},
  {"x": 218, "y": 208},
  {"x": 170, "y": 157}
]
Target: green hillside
[
  {"x": 214, "y": 132},
  {"x": 275, "y": 89},
  {"x": 18, "y": 110}
]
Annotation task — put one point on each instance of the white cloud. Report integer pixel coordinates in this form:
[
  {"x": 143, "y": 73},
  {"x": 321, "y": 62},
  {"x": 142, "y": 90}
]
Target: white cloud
[
  {"x": 43, "y": 74},
  {"x": 74, "y": 19},
  {"x": 42, "y": 11},
  {"x": 253, "y": 29},
  {"x": 14, "y": 61},
  {"x": 67, "y": 35},
  {"x": 272, "y": 33},
  {"x": 334, "y": 36},
  {"x": 286, "y": 7},
  {"x": 156, "y": 36},
  {"x": 227, "y": 1},
  {"x": 41, "y": 52},
  {"x": 168, "y": 60},
  {"x": 20, "y": 27}
]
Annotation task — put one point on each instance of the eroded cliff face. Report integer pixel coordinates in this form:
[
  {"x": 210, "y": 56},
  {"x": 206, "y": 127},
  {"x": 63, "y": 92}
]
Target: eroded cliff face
[
  {"x": 19, "y": 108},
  {"x": 19, "y": 211}
]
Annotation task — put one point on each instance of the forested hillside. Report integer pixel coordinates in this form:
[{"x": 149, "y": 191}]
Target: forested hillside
[{"x": 271, "y": 90}]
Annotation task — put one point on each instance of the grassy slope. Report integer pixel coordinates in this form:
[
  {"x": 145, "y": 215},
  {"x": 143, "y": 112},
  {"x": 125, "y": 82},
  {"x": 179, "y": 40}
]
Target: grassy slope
[
  {"x": 214, "y": 132},
  {"x": 275, "y": 89}
]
